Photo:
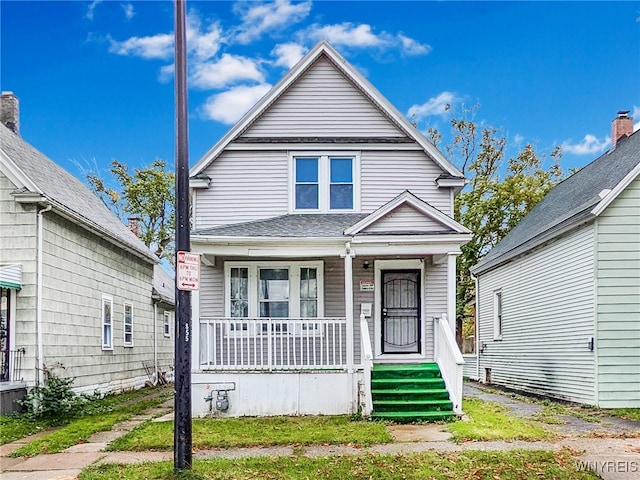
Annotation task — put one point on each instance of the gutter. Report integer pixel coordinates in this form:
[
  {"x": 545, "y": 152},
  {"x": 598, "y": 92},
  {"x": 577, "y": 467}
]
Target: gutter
[{"x": 39, "y": 282}]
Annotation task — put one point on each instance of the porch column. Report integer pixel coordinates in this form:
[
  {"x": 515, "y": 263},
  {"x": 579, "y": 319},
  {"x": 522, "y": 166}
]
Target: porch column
[
  {"x": 348, "y": 303},
  {"x": 451, "y": 290},
  {"x": 195, "y": 330}
]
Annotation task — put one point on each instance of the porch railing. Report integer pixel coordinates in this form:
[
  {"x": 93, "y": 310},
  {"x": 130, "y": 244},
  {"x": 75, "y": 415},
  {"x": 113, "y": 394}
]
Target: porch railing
[
  {"x": 367, "y": 359},
  {"x": 272, "y": 344},
  {"x": 449, "y": 359},
  {"x": 11, "y": 365}
]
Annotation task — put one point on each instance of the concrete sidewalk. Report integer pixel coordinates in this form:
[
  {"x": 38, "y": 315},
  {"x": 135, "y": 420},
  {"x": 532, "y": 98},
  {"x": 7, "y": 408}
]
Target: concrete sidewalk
[{"x": 612, "y": 458}]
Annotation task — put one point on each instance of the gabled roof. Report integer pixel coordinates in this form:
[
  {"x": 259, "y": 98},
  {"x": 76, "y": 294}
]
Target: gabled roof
[
  {"x": 40, "y": 179},
  {"x": 576, "y": 200},
  {"x": 320, "y": 49},
  {"x": 407, "y": 198}
]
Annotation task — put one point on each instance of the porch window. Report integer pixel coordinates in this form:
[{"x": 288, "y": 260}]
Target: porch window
[
  {"x": 273, "y": 290},
  {"x": 497, "y": 315},
  {"x": 325, "y": 182},
  {"x": 107, "y": 323},
  {"x": 128, "y": 325}
]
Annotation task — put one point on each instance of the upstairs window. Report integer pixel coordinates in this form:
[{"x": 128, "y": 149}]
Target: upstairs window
[{"x": 325, "y": 183}]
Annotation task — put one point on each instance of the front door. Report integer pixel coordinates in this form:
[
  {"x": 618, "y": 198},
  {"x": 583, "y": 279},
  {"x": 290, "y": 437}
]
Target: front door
[{"x": 401, "y": 311}]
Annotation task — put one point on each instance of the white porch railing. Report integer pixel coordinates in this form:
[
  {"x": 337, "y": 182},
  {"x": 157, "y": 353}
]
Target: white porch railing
[
  {"x": 367, "y": 360},
  {"x": 272, "y": 344},
  {"x": 449, "y": 359}
]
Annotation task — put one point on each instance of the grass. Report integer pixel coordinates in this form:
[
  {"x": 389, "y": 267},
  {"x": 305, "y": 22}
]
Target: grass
[
  {"x": 14, "y": 427},
  {"x": 625, "y": 413},
  {"x": 264, "y": 431},
  {"x": 103, "y": 415},
  {"x": 491, "y": 421},
  {"x": 476, "y": 465}
]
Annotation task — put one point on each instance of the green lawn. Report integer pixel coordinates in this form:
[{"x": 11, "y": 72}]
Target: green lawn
[
  {"x": 491, "y": 421},
  {"x": 263, "y": 431},
  {"x": 472, "y": 465}
]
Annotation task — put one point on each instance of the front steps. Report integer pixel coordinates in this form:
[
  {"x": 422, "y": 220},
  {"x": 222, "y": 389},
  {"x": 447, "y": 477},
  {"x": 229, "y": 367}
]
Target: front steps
[{"x": 409, "y": 393}]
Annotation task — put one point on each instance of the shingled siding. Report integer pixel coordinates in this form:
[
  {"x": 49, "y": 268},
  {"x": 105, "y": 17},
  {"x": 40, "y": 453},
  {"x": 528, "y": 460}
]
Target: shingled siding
[
  {"x": 18, "y": 241},
  {"x": 323, "y": 103},
  {"x": 78, "y": 269},
  {"x": 548, "y": 320},
  {"x": 618, "y": 299}
]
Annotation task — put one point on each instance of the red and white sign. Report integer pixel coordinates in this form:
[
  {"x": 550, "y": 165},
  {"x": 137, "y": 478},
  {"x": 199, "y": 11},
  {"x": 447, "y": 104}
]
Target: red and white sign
[{"x": 188, "y": 271}]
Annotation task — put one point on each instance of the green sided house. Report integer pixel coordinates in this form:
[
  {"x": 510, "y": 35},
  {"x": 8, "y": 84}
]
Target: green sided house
[
  {"x": 558, "y": 298},
  {"x": 324, "y": 221},
  {"x": 78, "y": 289}
]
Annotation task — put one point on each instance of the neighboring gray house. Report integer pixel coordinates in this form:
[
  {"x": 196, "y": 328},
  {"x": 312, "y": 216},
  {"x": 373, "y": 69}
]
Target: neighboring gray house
[
  {"x": 324, "y": 220},
  {"x": 559, "y": 296},
  {"x": 76, "y": 285}
]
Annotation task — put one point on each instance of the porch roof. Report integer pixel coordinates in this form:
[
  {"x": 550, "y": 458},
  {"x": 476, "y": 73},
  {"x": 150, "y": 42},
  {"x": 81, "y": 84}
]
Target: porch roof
[{"x": 301, "y": 225}]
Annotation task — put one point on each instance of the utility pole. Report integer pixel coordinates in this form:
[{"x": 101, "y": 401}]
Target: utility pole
[{"x": 182, "y": 412}]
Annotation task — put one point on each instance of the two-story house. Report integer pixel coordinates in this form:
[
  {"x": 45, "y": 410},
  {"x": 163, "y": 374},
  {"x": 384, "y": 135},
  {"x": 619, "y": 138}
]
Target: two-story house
[
  {"x": 324, "y": 220},
  {"x": 79, "y": 292}
]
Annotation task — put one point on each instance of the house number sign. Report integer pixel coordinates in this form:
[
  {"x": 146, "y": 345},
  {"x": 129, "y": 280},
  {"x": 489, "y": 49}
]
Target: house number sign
[{"x": 188, "y": 271}]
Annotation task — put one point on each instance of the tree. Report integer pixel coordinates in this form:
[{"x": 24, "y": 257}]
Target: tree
[
  {"x": 148, "y": 195},
  {"x": 497, "y": 196}
]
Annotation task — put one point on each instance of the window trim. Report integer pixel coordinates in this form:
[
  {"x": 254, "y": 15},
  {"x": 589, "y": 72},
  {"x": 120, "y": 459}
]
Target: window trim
[
  {"x": 498, "y": 315},
  {"x": 324, "y": 180},
  {"x": 294, "y": 286},
  {"x": 108, "y": 344},
  {"x": 124, "y": 325}
]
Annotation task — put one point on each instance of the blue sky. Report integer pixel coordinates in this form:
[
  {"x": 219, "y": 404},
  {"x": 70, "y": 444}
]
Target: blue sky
[{"x": 95, "y": 80}]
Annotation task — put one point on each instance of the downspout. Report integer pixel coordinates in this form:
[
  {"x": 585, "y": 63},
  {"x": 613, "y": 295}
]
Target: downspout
[
  {"x": 477, "y": 322},
  {"x": 155, "y": 343},
  {"x": 39, "y": 342}
]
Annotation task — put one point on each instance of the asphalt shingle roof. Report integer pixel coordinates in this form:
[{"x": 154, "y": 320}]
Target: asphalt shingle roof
[
  {"x": 67, "y": 191},
  {"x": 570, "y": 200},
  {"x": 330, "y": 225}
]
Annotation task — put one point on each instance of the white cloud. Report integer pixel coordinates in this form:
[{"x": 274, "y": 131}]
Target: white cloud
[
  {"x": 129, "y": 12},
  {"x": 258, "y": 18},
  {"x": 203, "y": 43},
  {"x": 434, "y": 106},
  {"x": 229, "y": 106},
  {"x": 350, "y": 35},
  {"x": 91, "y": 9},
  {"x": 288, "y": 54},
  {"x": 412, "y": 47},
  {"x": 156, "y": 46},
  {"x": 636, "y": 115},
  {"x": 227, "y": 70},
  {"x": 166, "y": 73},
  {"x": 589, "y": 145}
]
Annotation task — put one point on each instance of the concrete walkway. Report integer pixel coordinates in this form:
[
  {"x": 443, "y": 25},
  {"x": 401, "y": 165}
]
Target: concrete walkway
[{"x": 614, "y": 453}]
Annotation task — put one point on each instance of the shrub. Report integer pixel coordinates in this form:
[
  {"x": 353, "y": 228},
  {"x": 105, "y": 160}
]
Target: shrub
[{"x": 55, "y": 400}]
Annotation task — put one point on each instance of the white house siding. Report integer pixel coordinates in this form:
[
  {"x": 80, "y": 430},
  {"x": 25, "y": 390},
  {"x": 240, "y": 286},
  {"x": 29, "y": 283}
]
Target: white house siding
[
  {"x": 435, "y": 299},
  {"x": 548, "y": 320},
  {"x": 78, "y": 269},
  {"x": 237, "y": 180},
  {"x": 405, "y": 219},
  {"x": 323, "y": 103},
  {"x": 385, "y": 175},
  {"x": 18, "y": 241},
  {"x": 618, "y": 300}
]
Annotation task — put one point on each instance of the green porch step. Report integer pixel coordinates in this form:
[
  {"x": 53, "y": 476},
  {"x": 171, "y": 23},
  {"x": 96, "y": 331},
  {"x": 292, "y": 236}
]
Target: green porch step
[{"x": 409, "y": 393}]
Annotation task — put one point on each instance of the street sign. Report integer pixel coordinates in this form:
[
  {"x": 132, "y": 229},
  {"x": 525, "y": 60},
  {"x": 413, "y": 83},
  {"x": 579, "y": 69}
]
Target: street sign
[{"x": 188, "y": 271}]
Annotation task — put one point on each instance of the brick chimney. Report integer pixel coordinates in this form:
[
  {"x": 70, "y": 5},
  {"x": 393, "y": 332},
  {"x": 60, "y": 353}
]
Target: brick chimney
[
  {"x": 10, "y": 112},
  {"x": 621, "y": 125},
  {"x": 134, "y": 226}
]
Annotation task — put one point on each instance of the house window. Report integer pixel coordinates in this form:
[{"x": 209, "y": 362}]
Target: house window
[
  {"x": 107, "y": 323},
  {"x": 497, "y": 315},
  {"x": 325, "y": 183},
  {"x": 128, "y": 325},
  {"x": 273, "y": 290},
  {"x": 167, "y": 324}
]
